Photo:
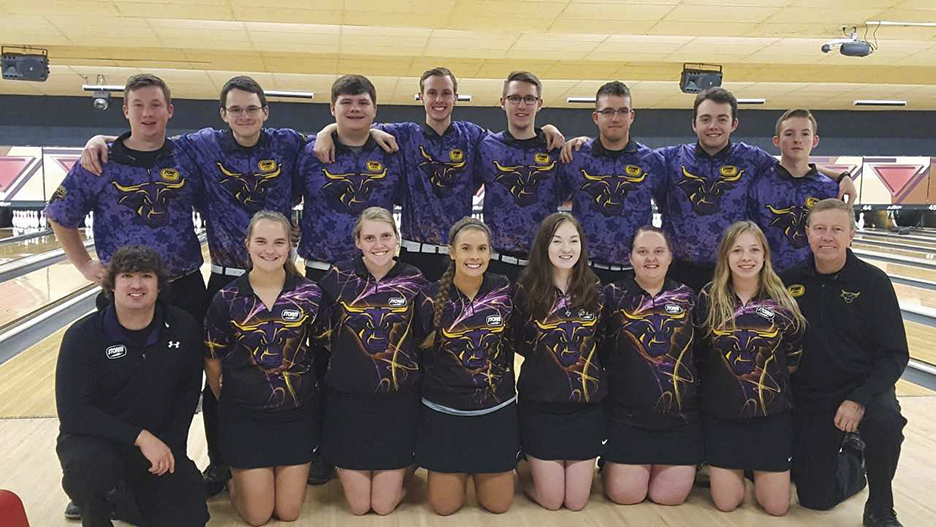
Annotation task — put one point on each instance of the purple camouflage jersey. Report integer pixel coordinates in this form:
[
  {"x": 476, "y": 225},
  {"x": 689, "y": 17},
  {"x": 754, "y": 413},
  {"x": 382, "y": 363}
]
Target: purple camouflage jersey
[
  {"x": 560, "y": 351},
  {"x": 611, "y": 192},
  {"x": 470, "y": 363},
  {"x": 334, "y": 195},
  {"x": 135, "y": 205},
  {"x": 441, "y": 177},
  {"x": 521, "y": 187},
  {"x": 705, "y": 194},
  {"x": 373, "y": 349},
  {"x": 240, "y": 181},
  {"x": 265, "y": 359},
  {"x": 746, "y": 365},
  {"x": 778, "y": 203},
  {"x": 647, "y": 352}
]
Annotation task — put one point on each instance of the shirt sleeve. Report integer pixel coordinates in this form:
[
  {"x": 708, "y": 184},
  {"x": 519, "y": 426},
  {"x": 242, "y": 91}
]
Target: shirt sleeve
[
  {"x": 889, "y": 342},
  {"x": 75, "y": 381},
  {"x": 76, "y": 196},
  {"x": 217, "y": 328},
  {"x": 793, "y": 340}
]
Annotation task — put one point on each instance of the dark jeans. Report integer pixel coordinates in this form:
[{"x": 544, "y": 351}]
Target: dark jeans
[
  {"x": 93, "y": 466},
  {"x": 826, "y": 475}
]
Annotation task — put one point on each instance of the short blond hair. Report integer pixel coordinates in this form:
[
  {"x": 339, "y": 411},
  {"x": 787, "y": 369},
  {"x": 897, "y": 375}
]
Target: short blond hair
[{"x": 832, "y": 204}]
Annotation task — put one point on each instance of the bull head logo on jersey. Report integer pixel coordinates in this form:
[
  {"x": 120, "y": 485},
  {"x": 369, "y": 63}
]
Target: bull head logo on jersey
[
  {"x": 654, "y": 331},
  {"x": 476, "y": 349},
  {"x": 442, "y": 175},
  {"x": 611, "y": 191},
  {"x": 523, "y": 180},
  {"x": 746, "y": 352},
  {"x": 567, "y": 340},
  {"x": 150, "y": 201},
  {"x": 705, "y": 195},
  {"x": 353, "y": 190},
  {"x": 265, "y": 341},
  {"x": 374, "y": 324},
  {"x": 250, "y": 189},
  {"x": 792, "y": 220}
]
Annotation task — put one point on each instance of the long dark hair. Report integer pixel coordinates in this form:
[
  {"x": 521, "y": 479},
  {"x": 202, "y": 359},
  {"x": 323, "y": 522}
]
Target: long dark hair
[
  {"x": 536, "y": 279},
  {"x": 442, "y": 296}
]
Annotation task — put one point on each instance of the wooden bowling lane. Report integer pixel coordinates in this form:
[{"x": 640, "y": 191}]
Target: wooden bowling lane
[
  {"x": 13, "y": 251},
  {"x": 904, "y": 271},
  {"x": 33, "y": 291},
  {"x": 5, "y": 233},
  {"x": 895, "y": 252},
  {"x": 917, "y": 243}
]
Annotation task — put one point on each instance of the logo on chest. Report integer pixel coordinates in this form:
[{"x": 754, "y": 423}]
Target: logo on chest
[
  {"x": 850, "y": 297},
  {"x": 610, "y": 191},
  {"x": 495, "y": 320},
  {"x": 397, "y": 301},
  {"x": 116, "y": 352},
  {"x": 673, "y": 309},
  {"x": 291, "y": 315},
  {"x": 704, "y": 195},
  {"x": 763, "y": 312},
  {"x": 351, "y": 192},
  {"x": 522, "y": 181}
]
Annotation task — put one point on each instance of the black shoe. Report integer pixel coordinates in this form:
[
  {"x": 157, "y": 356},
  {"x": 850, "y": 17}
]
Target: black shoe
[
  {"x": 321, "y": 472},
  {"x": 72, "y": 511},
  {"x": 853, "y": 441},
  {"x": 215, "y": 478},
  {"x": 880, "y": 518}
]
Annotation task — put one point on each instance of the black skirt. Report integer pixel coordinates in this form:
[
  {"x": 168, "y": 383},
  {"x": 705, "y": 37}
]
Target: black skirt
[
  {"x": 561, "y": 431},
  {"x": 258, "y": 438},
  {"x": 634, "y": 445},
  {"x": 759, "y": 443},
  {"x": 478, "y": 444},
  {"x": 370, "y": 431}
]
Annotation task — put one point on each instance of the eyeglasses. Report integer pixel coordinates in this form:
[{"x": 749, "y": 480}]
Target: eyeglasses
[
  {"x": 611, "y": 112},
  {"x": 237, "y": 110},
  {"x": 515, "y": 100}
]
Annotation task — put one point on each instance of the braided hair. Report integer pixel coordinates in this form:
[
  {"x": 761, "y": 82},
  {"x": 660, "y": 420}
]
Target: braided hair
[{"x": 442, "y": 296}]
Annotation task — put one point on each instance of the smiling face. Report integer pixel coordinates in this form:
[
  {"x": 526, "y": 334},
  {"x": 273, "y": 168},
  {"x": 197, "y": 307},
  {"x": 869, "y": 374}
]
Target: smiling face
[
  {"x": 746, "y": 256},
  {"x": 148, "y": 113},
  {"x": 354, "y": 113},
  {"x": 244, "y": 113},
  {"x": 713, "y": 125},
  {"x": 438, "y": 97},
  {"x": 650, "y": 256},
  {"x": 565, "y": 248},
  {"x": 135, "y": 291},
  {"x": 268, "y": 245},
  {"x": 378, "y": 243},
  {"x": 830, "y": 233},
  {"x": 471, "y": 252},
  {"x": 520, "y": 102},
  {"x": 796, "y": 139},
  {"x": 613, "y": 127}
]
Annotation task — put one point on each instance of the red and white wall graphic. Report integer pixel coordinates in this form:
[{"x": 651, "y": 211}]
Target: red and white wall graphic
[{"x": 29, "y": 175}]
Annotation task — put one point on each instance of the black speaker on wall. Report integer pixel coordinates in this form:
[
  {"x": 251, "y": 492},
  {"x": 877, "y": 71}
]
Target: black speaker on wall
[
  {"x": 699, "y": 77},
  {"x": 24, "y": 66}
]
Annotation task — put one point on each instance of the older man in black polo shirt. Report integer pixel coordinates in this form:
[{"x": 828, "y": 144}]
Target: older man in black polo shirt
[{"x": 856, "y": 349}]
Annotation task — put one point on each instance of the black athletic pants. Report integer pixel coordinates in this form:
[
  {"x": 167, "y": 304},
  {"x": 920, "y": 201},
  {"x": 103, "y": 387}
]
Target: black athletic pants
[
  {"x": 93, "y": 466},
  {"x": 432, "y": 265},
  {"x": 825, "y": 474}
]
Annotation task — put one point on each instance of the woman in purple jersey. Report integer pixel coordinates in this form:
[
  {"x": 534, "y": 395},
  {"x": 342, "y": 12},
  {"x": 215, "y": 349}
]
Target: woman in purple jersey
[
  {"x": 654, "y": 435},
  {"x": 750, "y": 342},
  {"x": 562, "y": 383},
  {"x": 256, "y": 333}
]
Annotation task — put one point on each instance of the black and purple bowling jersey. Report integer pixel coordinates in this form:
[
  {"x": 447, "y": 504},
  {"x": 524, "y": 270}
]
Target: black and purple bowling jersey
[
  {"x": 560, "y": 351},
  {"x": 334, "y": 195},
  {"x": 611, "y": 192},
  {"x": 779, "y": 203},
  {"x": 470, "y": 363},
  {"x": 705, "y": 194},
  {"x": 265, "y": 358},
  {"x": 648, "y": 354},
  {"x": 371, "y": 336},
  {"x": 521, "y": 187},
  {"x": 240, "y": 181},
  {"x": 136, "y": 205},
  {"x": 441, "y": 177},
  {"x": 745, "y": 368}
]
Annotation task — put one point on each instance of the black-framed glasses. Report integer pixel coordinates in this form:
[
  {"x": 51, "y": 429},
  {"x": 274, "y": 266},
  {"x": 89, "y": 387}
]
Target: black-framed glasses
[
  {"x": 530, "y": 100},
  {"x": 237, "y": 110},
  {"x": 611, "y": 112}
]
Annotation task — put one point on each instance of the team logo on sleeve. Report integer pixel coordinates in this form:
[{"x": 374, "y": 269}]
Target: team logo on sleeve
[
  {"x": 610, "y": 191},
  {"x": 250, "y": 189},
  {"x": 705, "y": 196},
  {"x": 796, "y": 290},
  {"x": 59, "y": 193},
  {"x": 169, "y": 174},
  {"x": 522, "y": 181},
  {"x": 792, "y": 221},
  {"x": 442, "y": 176},
  {"x": 850, "y": 297},
  {"x": 351, "y": 192},
  {"x": 150, "y": 201},
  {"x": 115, "y": 352}
]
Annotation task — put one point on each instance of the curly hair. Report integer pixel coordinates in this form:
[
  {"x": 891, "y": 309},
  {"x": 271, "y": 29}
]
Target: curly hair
[{"x": 133, "y": 259}]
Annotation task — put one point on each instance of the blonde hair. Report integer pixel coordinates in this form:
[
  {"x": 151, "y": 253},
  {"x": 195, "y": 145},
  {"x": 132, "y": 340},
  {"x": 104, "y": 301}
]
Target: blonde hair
[
  {"x": 277, "y": 217},
  {"x": 374, "y": 214},
  {"x": 722, "y": 295}
]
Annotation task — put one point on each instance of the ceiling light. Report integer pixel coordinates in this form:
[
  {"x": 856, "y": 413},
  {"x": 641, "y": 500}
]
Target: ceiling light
[
  {"x": 581, "y": 100},
  {"x": 878, "y": 102},
  {"x": 461, "y": 98},
  {"x": 290, "y": 94},
  {"x": 752, "y": 101}
]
